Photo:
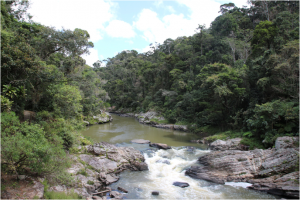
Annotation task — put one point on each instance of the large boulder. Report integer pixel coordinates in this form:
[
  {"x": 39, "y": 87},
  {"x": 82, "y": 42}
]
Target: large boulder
[
  {"x": 255, "y": 166},
  {"x": 94, "y": 171},
  {"x": 149, "y": 117},
  {"x": 180, "y": 127},
  {"x": 231, "y": 144},
  {"x": 159, "y": 145},
  {"x": 286, "y": 142},
  {"x": 103, "y": 117},
  {"x": 123, "y": 157}
]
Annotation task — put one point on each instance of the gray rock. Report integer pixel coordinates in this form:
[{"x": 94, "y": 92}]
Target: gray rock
[
  {"x": 108, "y": 179},
  {"x": 163, "y": 161},
  {"x": 97, "y": 197},
  {"x": 140, "y": 141},
  {"x": 115, "y": 194},
  {"x": 267, "y": 168},
  {"x": 103, "y": 117},
  {"x": 231, "y": 144},
  {"x": 159, "y": 145},
  {"x": 286, "y": 142},
  {"x": 90, "y": 189},
  {"x": 181, "y": 127},
  {"x": 181, "y": 184},
  {"x": 122, "y": 189},
  {"x": 119, "y": 157},
  {"x": 101, "y": 164},
  {"x": 155, "y": 192},
  {"x": 166, "y": 126}
]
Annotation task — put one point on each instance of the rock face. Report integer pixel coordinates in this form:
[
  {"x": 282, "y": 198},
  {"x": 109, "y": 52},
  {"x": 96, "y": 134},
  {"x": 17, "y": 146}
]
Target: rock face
[
  {"x": 103, "y": 117},
  {"x": 159, "y": 145},
  {"x": 151, "y": 118},
  {"x": 98, "y": 169},
  {"x": 286, "y": 142},
  {"x": 118, "y": 157},
  {"x": 231, "y": 144},
  {"x": 255, "y": 166}
]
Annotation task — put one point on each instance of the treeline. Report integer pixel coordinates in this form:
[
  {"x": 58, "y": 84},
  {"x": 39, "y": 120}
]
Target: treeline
[
  {"x": 241, "y": 73},
  {"x": 42, "y": 72}
]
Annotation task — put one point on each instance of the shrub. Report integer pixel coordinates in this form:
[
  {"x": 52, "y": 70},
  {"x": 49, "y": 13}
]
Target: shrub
[{"x": 24, "y": 146}]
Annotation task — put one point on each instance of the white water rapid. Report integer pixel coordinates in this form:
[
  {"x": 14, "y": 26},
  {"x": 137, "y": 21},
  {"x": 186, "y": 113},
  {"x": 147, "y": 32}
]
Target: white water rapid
[{"x": 168, "y": 166}]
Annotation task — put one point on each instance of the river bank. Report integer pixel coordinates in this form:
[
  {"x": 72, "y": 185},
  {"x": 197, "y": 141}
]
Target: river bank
[
  {"x": 106, "y": 170},
  {"x": 151, "y": 118}
]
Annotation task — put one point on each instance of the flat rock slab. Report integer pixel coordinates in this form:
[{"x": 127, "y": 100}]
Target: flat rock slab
[
  {"x": 140, "y": 141},
  {"x": 159, "y": 145},
  {"x": 181, "y": 184}
]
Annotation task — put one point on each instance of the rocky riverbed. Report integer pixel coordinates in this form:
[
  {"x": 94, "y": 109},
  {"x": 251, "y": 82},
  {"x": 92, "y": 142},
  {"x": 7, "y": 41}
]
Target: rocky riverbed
[
  {"x": 275, "y": 171},
  {"x": 94, "y": 168}
]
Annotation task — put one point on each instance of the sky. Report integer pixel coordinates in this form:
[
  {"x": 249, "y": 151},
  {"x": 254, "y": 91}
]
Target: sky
[{"x": 118, "y": 25}]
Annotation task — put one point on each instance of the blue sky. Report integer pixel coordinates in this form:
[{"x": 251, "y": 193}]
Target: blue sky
[{"x": 118, "y": 25}]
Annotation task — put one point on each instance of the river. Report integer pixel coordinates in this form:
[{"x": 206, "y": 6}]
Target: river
[{"x": 165, "y": 166}]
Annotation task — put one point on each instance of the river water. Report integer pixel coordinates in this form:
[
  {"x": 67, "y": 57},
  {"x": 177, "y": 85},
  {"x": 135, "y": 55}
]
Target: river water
[{"x": 165, "y": 166}]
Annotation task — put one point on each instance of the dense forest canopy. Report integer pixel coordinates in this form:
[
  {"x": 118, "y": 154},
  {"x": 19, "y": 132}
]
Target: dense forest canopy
[{"x": 240, "y": 73}]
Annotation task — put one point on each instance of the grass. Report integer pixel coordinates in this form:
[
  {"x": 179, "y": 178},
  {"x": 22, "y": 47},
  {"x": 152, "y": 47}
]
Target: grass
[
  {"x": 61, "y": 195},
  {"x": 82, "y": 172},
  {"x": 90, "y": 182}
]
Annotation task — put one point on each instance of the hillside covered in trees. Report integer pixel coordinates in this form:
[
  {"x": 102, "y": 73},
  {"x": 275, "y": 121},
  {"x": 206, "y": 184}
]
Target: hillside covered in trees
[{"x": 241, "y": 73}]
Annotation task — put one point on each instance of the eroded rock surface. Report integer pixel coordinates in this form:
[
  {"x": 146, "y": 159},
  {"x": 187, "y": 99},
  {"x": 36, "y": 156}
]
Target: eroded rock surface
[
  {"x": 231, "y": 144},
  {"x": 103, "y": 117},
  {"x": 159, "y": 145},
  {"x": 269, "y": 169},
  {"x": 93, "y": 172}
]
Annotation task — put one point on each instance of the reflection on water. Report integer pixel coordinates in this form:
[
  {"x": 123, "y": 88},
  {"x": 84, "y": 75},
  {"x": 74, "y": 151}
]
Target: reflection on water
[{"x": 125, "y": 129}]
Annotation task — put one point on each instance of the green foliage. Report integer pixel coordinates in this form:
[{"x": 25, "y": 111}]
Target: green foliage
[
  {"x": 252, "y": 143},
  {"x": 263, "y": 37},
  {"x": 61, "y": 195},
  {"x": 66, "y": 100},
  {"x": 90, "y": 182},
  {"x": 85, "y": 141},
  {"x": 82, "y": 172},
  {"x": 5, "y": 104},
  {"x": 26, "y": 146},
  {"x": 273, "y": 118}
]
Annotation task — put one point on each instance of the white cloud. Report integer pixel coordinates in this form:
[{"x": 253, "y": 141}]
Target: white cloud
[
  {"x": 117, "y": 28},
  {"x": 175, "y": 25},
  {"x": 202, "y": 12},
  {"x": 92, "y": 58},
  {"x": 158, "y": 3},
  {"x": 240, "y": 3},
  {"x": 171, "y": 9},
  {"x": 89, "y": 15}
]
